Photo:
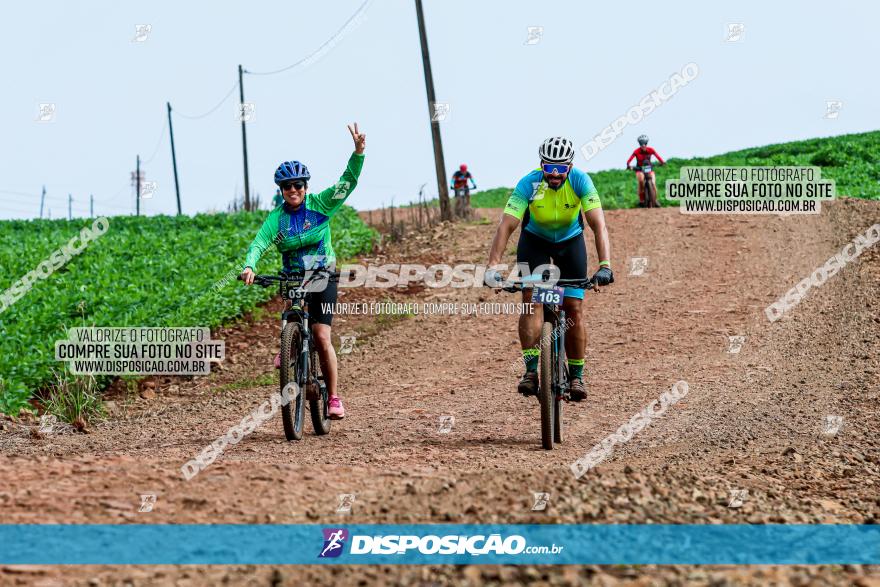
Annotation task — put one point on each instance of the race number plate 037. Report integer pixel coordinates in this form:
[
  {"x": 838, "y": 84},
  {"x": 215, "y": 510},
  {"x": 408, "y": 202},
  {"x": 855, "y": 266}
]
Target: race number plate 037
[
  {"x": 547, "y": 295},
  {"x": 291, "y": 289}
]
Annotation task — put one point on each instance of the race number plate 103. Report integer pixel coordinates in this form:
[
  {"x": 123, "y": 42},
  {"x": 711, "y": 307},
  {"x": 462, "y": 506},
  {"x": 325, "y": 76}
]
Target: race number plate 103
[{"x": 547, "y": 295}]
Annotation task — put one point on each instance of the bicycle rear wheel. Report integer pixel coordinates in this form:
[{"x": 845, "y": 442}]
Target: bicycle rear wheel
[
  {"x": 292, "y": 412},
  {"x": 319, "y": 407},
  {"x": 545, "y": 390}
]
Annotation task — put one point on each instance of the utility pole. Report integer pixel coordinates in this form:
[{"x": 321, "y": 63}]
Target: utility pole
[
  {"x": 439, "y": 164},
  {"x": 69, "y": 206},
  {"x": 42, "y": 201},
  {"x": 91, "y": 205},
  {"x": 247, "y": 192},
  {"x": 137, "y": 195},
  {"x": 173, "y": 159}
]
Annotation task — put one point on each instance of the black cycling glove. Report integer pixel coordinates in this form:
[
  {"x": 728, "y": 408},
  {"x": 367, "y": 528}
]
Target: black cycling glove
[
  {"x": 493, "y": 278},
  {"x": 603, "y": 276}
]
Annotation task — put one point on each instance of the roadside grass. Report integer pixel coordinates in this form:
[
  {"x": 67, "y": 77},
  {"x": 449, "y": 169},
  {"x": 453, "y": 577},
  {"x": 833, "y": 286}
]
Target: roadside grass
[
  {"x": 248, "y": 382},
  {"x": 75, "y": 400}
]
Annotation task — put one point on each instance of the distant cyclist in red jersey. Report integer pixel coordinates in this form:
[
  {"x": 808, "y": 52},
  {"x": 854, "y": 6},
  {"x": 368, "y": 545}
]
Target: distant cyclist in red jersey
[
  {"x": 460, "y": 179},
  {"x": 459, "y": 183},
  {"x": 642, "y": 155}
]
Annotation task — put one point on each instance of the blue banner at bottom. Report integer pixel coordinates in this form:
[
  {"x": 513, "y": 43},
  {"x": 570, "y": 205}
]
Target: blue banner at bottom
[{"x": 454, "y": 544}]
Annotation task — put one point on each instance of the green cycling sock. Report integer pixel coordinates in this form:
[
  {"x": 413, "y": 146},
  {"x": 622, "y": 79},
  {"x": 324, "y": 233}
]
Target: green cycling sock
[
  {"x": 530, "y": 358},
  {"x": 576, "y": 369}
]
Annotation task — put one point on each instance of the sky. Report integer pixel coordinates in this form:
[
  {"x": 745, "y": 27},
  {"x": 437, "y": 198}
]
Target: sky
[{"x": 591, "y": 64}]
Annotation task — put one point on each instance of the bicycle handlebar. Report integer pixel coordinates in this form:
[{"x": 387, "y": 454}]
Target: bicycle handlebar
[
  {"x": 267, "y": 280},
  {"x": 519, "y": 284}
]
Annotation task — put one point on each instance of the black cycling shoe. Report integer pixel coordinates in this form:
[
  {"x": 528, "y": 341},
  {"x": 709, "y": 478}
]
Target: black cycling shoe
[
  {"x": 528, "y": 385},
  {"x": 576, "y": 391}
]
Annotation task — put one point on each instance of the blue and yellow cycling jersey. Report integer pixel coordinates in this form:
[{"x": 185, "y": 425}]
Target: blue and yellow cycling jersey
[{"x": 553, "y": 215}]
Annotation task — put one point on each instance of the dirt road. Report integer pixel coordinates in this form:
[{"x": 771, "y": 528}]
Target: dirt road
[{"x": 755, "y": 420}]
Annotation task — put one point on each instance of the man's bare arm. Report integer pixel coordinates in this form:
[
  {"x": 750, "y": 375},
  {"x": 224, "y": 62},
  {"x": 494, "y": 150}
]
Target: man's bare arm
[
  {"x": 506, "y": 227},
  {"x": 596, "y": 220}
]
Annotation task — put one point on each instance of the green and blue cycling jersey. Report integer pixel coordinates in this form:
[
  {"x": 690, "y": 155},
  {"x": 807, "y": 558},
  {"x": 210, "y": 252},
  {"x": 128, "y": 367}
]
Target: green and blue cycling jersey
[
  {"x": 302, "y": 236},
  {"x": 553, "y": 215}
]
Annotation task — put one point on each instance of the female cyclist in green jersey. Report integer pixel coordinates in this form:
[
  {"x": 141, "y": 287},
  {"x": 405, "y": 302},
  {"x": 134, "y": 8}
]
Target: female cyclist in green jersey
[{"x": 300, "y": 229}]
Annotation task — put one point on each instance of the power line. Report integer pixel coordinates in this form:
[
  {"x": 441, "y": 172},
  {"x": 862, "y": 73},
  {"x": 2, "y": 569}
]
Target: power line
[
  {"x": 159, "y": 142},
  {"x": 55, "y": 198},
  {"x": 106, "y": 203},
  {"x": 212, "y": 110},
  {"x": 19, "y": 193},
  {"x": 338, "y": 33},
  {"x": 18, "y": 210}
]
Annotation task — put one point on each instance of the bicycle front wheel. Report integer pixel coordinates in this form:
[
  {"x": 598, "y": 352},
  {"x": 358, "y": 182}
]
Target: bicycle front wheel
[
  {"x": 319, "y": 407},
  {"x": 562, "y": 368},
  {"x": 545, "y": 391},
  {"x": 650, "y": 194},
  {"x": 292, "y": 409}
]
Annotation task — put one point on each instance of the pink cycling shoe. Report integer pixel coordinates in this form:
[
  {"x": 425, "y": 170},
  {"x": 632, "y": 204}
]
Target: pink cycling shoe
[{"x": 337, "y": 412}]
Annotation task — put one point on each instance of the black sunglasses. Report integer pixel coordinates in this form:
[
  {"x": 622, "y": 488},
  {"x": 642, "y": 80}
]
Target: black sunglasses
[{"x": 296, "y": 184}]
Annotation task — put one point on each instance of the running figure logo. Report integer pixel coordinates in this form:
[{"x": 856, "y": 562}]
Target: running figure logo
[
  {"x": 832, "y": 109},
  {"x": 735, "y": 31},
  {"x": 441, "y": 111},
  {"x": 737, "y": 498},
  {"x": 541, "y": 501},
  {"x": 334, "y": 541},
  {"x": 46, "y": 112},
  {"x": 148, "y": 500},
  {"x": 736, "y": 344},
  {"x": 832, "y": 425},
  {"x": 638, "y": 266}
]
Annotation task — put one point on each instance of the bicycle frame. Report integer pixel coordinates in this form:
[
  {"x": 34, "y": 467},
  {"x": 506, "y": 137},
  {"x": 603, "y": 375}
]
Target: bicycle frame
[
  {"x": 297, "y": 314},
  {"x": 555, "y": 316}
]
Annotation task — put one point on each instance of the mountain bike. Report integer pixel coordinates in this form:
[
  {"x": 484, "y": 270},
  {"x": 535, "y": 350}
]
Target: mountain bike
[
  {"x": 650, "y": 191},
  {"x": 553, "y": 366},
  {"x": 300, "y": 367},
  {"x": 463, "y": 202}
]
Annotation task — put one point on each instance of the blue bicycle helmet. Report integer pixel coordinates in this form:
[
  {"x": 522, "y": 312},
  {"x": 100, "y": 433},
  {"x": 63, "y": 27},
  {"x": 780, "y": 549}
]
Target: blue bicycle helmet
[{"x": 291, "y": 170}]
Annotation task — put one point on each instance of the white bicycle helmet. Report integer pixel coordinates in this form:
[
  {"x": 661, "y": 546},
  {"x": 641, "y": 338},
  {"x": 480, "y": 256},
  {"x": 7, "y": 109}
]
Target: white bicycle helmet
[
  {"x": 643, "y": 140},
  {"x": 556, "y": 150}
]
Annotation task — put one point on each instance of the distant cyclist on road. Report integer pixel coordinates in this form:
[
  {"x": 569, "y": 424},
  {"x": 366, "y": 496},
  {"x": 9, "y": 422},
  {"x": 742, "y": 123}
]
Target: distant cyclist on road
[
  {"x": 460, "y": 179},
  {"x": 300, "y": 229},
  {"x": 642, "y": 155},
  {"x": 461, "y": 189},
  {"x": 549, "y": 201}
]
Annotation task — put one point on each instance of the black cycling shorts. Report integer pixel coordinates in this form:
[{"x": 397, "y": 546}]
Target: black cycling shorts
[
  {"x": 569, "y": 255},
  {"x": 320, "y": 303}
]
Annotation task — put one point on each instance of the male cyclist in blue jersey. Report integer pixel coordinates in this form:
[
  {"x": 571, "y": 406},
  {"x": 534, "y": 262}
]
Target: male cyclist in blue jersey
[
  {"x": 548, "y": 201},
  {"x": 300, "y": 230}
]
